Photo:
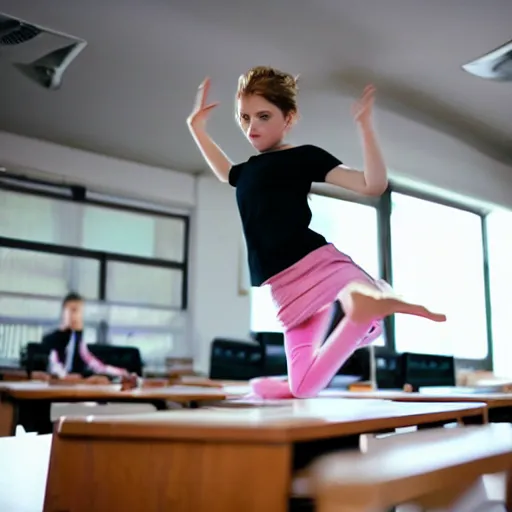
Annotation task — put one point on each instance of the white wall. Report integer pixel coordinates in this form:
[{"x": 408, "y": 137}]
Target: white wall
[
  {"x": 101, "y": 173},
  {"x": 216, "y": 308}
]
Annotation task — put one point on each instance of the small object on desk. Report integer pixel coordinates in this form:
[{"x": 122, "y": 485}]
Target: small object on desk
[
  {"x": 42, "y": 376},
  {"x": 204, "y": 382},
  {"x": 177, "y": 366},
  {"x": 99, "y": 380},
  {"x": 494, "y": 385},
  {"x": 154, "y": 383},
  {"x": 72, "y": 377},
  {"x": 130, "y": 381},
  {"x": 68, "y": 380},
  {"x": 361, "y": 386}
]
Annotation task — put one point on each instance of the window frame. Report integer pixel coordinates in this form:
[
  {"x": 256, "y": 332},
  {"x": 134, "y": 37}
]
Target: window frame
[
  {"x": 72, "y": 193},
  {"x": 384, "y": 209}
]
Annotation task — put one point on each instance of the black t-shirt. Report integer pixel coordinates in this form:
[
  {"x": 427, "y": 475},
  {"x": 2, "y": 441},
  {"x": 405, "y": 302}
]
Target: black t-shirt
[{"x": 272, "y": 196}]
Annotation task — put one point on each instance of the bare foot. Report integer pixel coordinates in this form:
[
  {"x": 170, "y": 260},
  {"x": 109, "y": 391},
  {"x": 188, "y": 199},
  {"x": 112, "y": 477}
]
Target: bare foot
[{"x": 363, "y": 304}]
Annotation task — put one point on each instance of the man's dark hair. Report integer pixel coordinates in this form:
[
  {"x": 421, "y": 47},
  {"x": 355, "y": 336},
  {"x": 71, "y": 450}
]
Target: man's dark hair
[{"x": 71, "y": 297}]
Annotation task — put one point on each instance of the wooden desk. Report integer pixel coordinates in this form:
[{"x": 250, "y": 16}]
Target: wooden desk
[
  {"x": 431, "y": 469},
  {"x": 34, "y": 398},
  {"x": 491, "y": 399},
  {"x": 229, "y": 459},
  {"x": 13, "y": 374},
  {"x": 499, "y": 404}
]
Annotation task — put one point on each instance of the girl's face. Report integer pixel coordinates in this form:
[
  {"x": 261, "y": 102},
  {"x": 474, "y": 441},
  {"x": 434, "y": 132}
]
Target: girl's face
[{"x": 262, "y": 122}]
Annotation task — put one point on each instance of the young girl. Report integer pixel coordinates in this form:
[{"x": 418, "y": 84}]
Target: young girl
[{"x": 328, "y": 306}]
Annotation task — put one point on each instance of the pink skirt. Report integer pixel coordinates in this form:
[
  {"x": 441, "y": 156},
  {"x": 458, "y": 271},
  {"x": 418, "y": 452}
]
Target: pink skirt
[{"x": 301, "y": 290}]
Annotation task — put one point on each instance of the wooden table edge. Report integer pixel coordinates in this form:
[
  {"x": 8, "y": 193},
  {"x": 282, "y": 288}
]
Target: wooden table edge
[
  {"x": 121, "y": 396},
  {"x": 284, "y": 432}
]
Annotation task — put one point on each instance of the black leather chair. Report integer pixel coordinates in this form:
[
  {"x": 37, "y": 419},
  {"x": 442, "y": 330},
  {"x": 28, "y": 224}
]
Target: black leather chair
[
  {"x": 34, "y": 357},
  {"x": 232, "y": 359},
  {"x": 274, "y": 357},
  {"x": 389, "y": 372},
  {"x": 424, "y": 370}
]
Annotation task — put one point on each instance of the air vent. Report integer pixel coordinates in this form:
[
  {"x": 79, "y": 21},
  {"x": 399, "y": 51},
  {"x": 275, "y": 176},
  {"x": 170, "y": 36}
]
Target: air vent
[
  {"x": 496, "y": 65},
  {"x": 14, "y": 32},
  {"x": 39, "y": 53}
]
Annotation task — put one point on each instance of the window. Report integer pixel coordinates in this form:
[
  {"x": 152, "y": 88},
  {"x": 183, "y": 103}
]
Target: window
[
  {"x": 499, "y": 244},
  {"x": 156, "y": 332},
  {"x": 28, "y": 217},
  {"x": 438, "y": 260},
  {"x": 133, "y": 233},
  {"x": 334, "y": 219},
  {"x": 143, "y": 284},
  {"x": 129, "y": 264},
  {"x": 351, "y": 227},
  {"x": 87, "y": 226},
  {"x": 37, "y": 273},
  {"x": 145, "y": 252}
]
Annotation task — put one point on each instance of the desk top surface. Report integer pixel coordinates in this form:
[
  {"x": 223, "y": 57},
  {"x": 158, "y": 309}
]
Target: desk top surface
[
  {"x": 293, "y": 420},
  {"x": 37, "y": 390},
  {"x": 236, "y": 390},
  {"x": 491, "y": 399}
]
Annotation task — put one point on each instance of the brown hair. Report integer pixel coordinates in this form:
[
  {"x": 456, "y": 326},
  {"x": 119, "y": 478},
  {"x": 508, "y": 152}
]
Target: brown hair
[{"x": 275, "y": 86}]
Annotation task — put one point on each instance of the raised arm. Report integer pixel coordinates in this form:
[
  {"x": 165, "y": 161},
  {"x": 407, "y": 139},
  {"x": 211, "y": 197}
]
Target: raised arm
[
  {"x": 218, "y": 162},
  {"x": 373, "y": 181}
]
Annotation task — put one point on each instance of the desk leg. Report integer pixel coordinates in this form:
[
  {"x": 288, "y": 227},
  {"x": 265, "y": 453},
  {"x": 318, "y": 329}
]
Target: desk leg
[
  {"x": 508, "y": 490},
  {"x": 8, "y": 418},
  {"x": 166, "y": 475}
]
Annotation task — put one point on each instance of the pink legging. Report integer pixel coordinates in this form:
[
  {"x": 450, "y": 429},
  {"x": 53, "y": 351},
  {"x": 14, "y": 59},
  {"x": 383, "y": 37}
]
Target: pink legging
[{"x": 311, "y": 364}]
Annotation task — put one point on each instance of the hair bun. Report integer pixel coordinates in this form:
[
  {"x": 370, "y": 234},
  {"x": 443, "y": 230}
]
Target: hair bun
[{"x": 276, "y": 86}]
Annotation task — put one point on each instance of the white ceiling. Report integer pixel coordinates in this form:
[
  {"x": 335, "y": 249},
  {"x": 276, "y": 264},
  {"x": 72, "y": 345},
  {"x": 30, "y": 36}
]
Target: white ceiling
[{"x": 129, "y": 93}]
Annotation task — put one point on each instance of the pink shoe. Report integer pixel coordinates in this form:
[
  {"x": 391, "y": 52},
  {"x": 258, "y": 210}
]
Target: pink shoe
[{"x": 271, "y": 387}]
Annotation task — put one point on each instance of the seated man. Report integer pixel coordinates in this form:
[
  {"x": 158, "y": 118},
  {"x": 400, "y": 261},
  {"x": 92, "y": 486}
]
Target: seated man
[{"x": 69, "y": 357}]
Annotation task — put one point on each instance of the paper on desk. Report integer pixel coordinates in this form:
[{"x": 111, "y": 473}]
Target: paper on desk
[{"x": 237, "y": 390}]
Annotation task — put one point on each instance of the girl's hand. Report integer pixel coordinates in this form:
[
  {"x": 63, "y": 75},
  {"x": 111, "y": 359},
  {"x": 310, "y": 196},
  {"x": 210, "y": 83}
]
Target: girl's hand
[
  {"x": 363, "y": 108},
  {"x": 201, "y": 111}
]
